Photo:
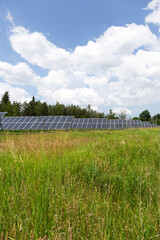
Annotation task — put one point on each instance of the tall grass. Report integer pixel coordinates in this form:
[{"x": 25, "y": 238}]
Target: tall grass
[{"x": 80, "y": 185}]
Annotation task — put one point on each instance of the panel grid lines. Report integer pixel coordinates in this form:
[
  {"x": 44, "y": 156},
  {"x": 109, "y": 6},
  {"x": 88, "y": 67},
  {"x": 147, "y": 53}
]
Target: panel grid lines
[{"x": 67, "y": 122}]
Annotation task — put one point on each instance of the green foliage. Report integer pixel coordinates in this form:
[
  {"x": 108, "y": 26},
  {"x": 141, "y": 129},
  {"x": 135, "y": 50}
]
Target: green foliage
[
  {"x": 122, "y": 115},
  {"x": 37, "y": 108},
  {"x": 41, "y": 109},
  {"x": 57, "y": 109},
  {"x": 145, "y": 116},
  {"x": 157, "y": 116},
  {"x": 156, "y": 119},
  {"x": 16, "y": 108},
  {"x": 32, "y": 107},
  {"x": 135, "y": 118},
  {"x": 111, "y": 115},
  {"x": 5, "y": 99}
]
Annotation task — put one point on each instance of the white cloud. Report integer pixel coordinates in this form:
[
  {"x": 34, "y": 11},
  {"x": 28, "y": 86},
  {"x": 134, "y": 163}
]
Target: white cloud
[
  {"x": 16, "y": 93},
  {"x": 36, "y": 49},
  {"x": 138, "y": 81},
  {"x": 110, "y": 48},
  {"x": 95, "y": 57},
  {"x": 19, "y": 74},
  {"x": 9, "y": 17},
  {"x": 111, "y": 71},
  {"x": 124, "y": 110},
  {"x": 154, "y": 16},
  {"x": 78, "y": 96}
]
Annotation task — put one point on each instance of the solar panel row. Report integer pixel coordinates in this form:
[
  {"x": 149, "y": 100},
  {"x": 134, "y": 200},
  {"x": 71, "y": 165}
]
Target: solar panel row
[
  {"x": 103, "y": 123},
  {"x": 2, "y": 114},
  {"x": 67, "y": 122},
  {"x": 37, "y": 123}
]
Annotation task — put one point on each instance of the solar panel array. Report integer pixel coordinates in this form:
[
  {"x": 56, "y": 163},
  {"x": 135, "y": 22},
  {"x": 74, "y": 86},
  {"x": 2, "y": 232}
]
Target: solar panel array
[
  {"x": 68, "y": 122},
  {"x": 2, "y": 114},
  {"x": 37, "y": 123},
  {"x": 104, "y": 123},
  {"x": 53, "y": 122}
]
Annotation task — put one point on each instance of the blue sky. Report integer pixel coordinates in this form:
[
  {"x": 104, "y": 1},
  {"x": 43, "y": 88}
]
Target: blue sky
[
  {"x": 99, "y": 52},
  {"x": 71, "y": 23}
]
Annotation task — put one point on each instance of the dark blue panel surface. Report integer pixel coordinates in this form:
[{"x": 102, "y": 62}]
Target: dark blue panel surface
[
  {"x": 2, "y": 114},
  {"x": 35, "y": 125},
  {"x": 100, "y": 120},
  {"x": 59, "y": 126},
  {"x": 53, "y": 126},
  {"x": 11, "y": 126},
  {"x": 94, "y": 126},
  {"x": 66, "y": 126},
  {"x": 81, "y": 120},
  {"x": 69, "y": 119},
  {"x": 74, "y": 125},
  {"x": 79, "y": 125},
  {"x": 40, "y": 126},
  {"x": 76, "y": 120},
  {"x": 104, "y": 120},
  {"x": 94, "y": 120},
  {"x": 6, "y": 126},
  {"x": 28, "y": 126},
  {"x": 21, "y": 126},
  {"x": 57, "y": 118},
  {"x": 47, "y": 126},
  {"x": 85, "y": 120},
  {"x": 51, "y": 119},
  {"x": 63, "y": 119},
  {"x": 104, "y": 125},
  {"x": 99, "y": 126}
]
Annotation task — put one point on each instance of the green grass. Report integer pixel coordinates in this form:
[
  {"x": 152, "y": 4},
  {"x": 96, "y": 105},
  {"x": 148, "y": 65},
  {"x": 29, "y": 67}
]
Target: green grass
[{"x": 80, "y": 185}]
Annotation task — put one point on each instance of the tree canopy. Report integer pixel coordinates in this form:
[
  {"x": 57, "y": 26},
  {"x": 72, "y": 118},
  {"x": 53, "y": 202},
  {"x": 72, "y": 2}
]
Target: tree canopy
[
  {"x": 145, "y": 116},
  {"x": 38, "y": 108}
]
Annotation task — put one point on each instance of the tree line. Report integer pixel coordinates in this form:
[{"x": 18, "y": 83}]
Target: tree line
[{"x": 38, "y": 108}]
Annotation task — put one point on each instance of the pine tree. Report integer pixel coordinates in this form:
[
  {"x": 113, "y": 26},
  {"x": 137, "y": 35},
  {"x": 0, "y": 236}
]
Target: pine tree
[{"x": 5, "y": 99}]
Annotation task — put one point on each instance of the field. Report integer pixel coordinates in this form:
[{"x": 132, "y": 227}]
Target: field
[{"x": 80, "y": 185}]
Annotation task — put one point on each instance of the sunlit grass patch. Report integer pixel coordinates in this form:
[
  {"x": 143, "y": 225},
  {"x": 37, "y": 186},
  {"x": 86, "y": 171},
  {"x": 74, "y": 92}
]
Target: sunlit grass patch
[{"x": 80, "y": 185}]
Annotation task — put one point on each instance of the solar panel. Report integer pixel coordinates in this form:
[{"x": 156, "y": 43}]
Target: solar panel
[
  {"x": 105, "y": 121},
  {"x": 37, "y": 123},
  {"x": 4, "y": 119},
  {"x": 102, "y": 123},
  {"x": 67, "y": 122},
  {"x": 5, "y": 126},
  {"x": 58, "y": 122},
  {"x": 2, "y": 114},
  {"x": 89, "y": 123},
  {"x": 17, "y": 123}
]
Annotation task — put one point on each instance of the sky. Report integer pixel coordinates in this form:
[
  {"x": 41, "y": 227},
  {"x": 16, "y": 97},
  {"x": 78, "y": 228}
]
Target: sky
[{"x": 99, "y": 52}]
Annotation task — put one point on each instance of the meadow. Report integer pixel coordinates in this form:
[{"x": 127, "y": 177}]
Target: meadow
[{"x": 80, "y": 185}]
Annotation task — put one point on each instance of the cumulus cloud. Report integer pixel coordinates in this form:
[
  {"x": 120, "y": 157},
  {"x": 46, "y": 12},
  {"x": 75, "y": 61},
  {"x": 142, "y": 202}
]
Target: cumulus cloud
[
  {"x": 78, "y": 96},
  {"x": 122, "y": 111},
  {"x": 36, "y": 49},
  {"x": 16, "y": 93},
  {"x": 19, "y": 74},
  {"x": 138, "y": 80},
  {"x": 110, "y": 48},
  {"x": 118, "y": 70},
  {"x": 154, "y": 16},
  {"x": 95, "y": 57}
]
